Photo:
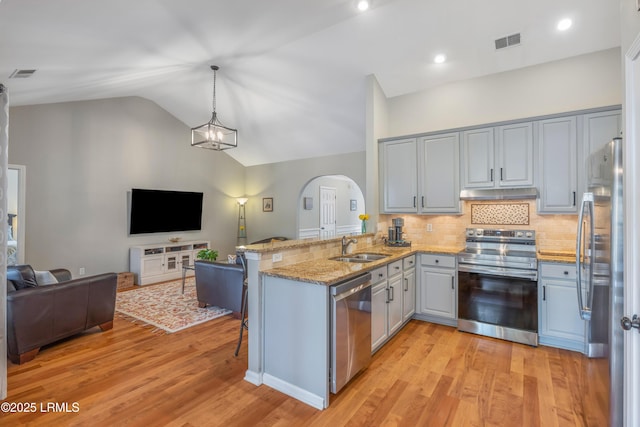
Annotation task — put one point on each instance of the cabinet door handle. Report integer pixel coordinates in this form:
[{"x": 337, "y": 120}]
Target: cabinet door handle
[
  {"x": 491, "y": 174},
  {"x": 392, "y": 293},
  {"x": 574, "y": 198},
  {"x": 414, "y": 201},
  {"x": 423, "y": 201},
  {"x": 453, "y": 286},
  {"x": 501, "y": 178},
  {"x": 544, "y": 293},
  {"x": 388, "y": 298},
  {"x": 406, "y": 284}
]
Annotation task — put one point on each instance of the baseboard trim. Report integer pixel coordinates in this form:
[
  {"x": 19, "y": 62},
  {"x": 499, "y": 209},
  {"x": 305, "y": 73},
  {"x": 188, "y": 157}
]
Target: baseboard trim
[
  {"x": 294, "y": 391},
  {"x": 254, "y": 378}
]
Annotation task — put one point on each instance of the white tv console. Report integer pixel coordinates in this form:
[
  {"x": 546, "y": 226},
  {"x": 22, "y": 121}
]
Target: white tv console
[{"x": 160, "y": 262}]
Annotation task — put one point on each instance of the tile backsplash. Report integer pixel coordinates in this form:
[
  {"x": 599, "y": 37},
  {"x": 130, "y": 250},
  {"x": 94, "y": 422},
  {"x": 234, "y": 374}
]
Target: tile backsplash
[{"x": 554, "y": 232}]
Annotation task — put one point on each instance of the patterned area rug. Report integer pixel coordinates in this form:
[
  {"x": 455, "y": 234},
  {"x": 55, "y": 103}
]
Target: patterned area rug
[{"x": 165, "y": 307}]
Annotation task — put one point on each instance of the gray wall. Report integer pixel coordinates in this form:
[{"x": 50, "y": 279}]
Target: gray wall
[
  {"x": 81, "y": 160},
  {"x": 284, "y": 182},
  {"x": 345, "y": 192},
  {"x": 581, "y": 82}
]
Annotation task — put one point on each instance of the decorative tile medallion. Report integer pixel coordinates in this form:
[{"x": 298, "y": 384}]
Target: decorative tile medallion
[{"x": 500, "y": 214}]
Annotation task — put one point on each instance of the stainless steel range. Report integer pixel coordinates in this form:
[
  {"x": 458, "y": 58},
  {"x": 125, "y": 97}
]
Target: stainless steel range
[{"x": 498, "y": 284}]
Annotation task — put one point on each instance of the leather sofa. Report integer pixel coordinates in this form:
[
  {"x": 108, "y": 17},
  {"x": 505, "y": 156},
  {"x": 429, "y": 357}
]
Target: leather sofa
[
  {"x": 220, "y": 284},
  {"x": 39, "y": 314}
]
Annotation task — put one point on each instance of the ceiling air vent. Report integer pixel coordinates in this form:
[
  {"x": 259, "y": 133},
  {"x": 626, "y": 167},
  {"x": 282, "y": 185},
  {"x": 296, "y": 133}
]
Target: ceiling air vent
[
  {"x": 512, "y": 40},
  {"x": 22, "y": 74}
]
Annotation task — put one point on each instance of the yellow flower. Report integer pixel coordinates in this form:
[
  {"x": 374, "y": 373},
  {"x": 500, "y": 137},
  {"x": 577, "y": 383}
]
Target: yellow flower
[{"x": 363, "y": 217}]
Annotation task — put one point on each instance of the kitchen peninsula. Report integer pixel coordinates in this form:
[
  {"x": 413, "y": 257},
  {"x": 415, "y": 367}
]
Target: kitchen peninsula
[{"x": 289, "y": 341}]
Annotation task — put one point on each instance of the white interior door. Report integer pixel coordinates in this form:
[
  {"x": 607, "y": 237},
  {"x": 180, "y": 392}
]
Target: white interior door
[
  {"x": 327, "y": 212},
  {"x": 631, "y": 153}
]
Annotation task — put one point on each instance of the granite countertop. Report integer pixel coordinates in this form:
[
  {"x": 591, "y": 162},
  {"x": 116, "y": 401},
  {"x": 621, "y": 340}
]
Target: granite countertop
[
  {"x": 329, "y": 272},
  {"x": 277, "y": 245},
  {"x": 556, "y": 256}
]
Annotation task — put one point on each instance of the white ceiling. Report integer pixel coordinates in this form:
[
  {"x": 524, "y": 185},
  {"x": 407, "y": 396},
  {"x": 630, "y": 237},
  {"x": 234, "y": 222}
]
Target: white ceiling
[{"x": 292, "y": 72}]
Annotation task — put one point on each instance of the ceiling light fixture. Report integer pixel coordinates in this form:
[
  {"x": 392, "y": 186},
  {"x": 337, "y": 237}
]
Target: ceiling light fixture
[
  {"x": 213, "y": 134},
  {"x": 564, "y": 24},
  {"x": 439, "y": 59},
  {"x": 363, "y": 5}
]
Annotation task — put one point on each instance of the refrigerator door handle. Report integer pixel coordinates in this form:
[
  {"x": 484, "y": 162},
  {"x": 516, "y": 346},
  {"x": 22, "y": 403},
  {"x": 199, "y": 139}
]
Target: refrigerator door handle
[{"x": 587, "y": 200}]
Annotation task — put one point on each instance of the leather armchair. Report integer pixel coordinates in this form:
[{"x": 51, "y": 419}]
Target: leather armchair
[
  {"x": 40, "y": 315},
  {"x": 220, "y": 284}
]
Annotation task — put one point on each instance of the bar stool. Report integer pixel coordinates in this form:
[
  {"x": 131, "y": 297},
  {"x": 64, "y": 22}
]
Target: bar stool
[{"x": 244, "y": 322}]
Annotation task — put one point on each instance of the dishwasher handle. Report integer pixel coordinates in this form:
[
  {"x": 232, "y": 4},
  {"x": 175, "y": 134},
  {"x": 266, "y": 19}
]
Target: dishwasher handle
[{"x": 350, "y": 287}]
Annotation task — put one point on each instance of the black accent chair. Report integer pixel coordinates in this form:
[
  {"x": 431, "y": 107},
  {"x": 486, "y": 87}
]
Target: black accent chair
[
  {"x": 224, "y": 285},
  {"x": 220, "y": 284},
  {"x": 39, "y": 314}
]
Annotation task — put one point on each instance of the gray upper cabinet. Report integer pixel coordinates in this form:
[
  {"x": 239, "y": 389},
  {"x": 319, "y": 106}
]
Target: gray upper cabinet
[
  {"x": 557, "y": 165},
  {"x": 398, "y": 176},
  {"x": 439, "y": 177},
  {"x": 478, "y": 158},
  {"x": 498, "y": 157},
  {"x": 420, "y": 175},
  {"x": 599, "y": 129}
]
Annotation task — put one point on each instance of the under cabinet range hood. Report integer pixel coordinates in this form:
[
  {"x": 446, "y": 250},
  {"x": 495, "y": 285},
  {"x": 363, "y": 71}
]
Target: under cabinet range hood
[{"x": 500, "y": 194}]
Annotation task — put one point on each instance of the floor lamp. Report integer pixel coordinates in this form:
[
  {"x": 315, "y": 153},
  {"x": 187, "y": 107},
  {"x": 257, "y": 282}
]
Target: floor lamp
[{"x": 242, "y": 225}]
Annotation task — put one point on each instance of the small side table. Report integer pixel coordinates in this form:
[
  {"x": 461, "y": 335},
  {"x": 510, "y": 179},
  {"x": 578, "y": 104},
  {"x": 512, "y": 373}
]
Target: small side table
[{"x": 186, "y": 267}]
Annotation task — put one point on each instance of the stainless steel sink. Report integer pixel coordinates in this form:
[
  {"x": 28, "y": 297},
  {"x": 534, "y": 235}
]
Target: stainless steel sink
[
  {"x": 363, "y": 257},
  {"x": 369, "y": 256},
  {"x": 349, "y": 259}
]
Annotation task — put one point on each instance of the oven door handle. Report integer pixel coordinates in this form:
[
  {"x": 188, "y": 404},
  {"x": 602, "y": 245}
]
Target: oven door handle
[{"x": 493, "y": 271}]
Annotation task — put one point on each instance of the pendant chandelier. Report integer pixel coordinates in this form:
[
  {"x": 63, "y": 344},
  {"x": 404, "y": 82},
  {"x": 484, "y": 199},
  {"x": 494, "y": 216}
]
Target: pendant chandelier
[{"x": 213, "y": 134}]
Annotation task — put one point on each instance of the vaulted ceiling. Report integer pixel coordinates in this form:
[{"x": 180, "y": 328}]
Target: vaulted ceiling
[{"x": 292, "y": 72}]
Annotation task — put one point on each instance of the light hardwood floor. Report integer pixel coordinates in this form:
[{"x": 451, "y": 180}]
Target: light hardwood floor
[{"x": 428, "y": 375}]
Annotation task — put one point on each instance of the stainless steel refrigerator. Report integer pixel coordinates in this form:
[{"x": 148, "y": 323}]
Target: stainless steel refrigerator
[{"x": 599, "y": 261}]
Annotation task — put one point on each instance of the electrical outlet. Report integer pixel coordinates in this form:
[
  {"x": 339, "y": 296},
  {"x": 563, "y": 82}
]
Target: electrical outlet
[
  {"x": 82, "y": 271},
  {"x": 276, "y": 257},
  {"x": 429, "y": 227}
]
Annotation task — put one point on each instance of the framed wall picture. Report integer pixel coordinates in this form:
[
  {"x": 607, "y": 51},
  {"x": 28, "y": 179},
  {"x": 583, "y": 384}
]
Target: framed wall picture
[
  {"x": 267, "y": 204},
  {"x": 308, "y": 203}
]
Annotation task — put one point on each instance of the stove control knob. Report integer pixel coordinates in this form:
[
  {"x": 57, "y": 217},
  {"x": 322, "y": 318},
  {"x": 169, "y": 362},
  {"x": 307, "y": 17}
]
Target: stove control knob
[
  {"x": 529, "y": 234},
  {"x": 479, "y": 233},
  {"x": 519, "y": 234},
  {"x": 470, "y": 232}
]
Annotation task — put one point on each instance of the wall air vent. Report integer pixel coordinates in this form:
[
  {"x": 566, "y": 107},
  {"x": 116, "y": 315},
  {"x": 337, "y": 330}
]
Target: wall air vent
[
  {"x": 22, "y": 74},
  {"x": 512, "y": 40}
]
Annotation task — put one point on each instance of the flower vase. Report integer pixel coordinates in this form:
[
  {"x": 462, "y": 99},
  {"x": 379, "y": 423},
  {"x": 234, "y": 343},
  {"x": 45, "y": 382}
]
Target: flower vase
[{"x": 364, "y": 226}]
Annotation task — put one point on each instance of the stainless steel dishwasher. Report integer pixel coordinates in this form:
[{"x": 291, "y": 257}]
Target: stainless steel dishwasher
[{"x": 350, "y": 329}]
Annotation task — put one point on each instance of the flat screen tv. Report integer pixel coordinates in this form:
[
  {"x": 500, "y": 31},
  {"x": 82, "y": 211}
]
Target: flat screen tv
[{"x": 159, "y": 211}]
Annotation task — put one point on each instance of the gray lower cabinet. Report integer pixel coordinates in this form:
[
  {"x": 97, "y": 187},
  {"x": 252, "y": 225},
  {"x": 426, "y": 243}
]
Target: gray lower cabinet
[
  {"x": 395, "y": 296},
  {"x": 379, "y": 310},
  {"x": 559, "y": 324},
  {"x": 392, "y": 299},
  {"x": 437, "y": 290},
  {"x": 408, "y": 287}
]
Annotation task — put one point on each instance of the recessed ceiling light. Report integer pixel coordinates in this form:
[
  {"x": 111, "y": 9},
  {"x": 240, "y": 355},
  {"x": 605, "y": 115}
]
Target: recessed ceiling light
[
  {"x": 363, "y": 5},
  {"x": 439, "y": 59},
  {"x": 564, "y": 24}
]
